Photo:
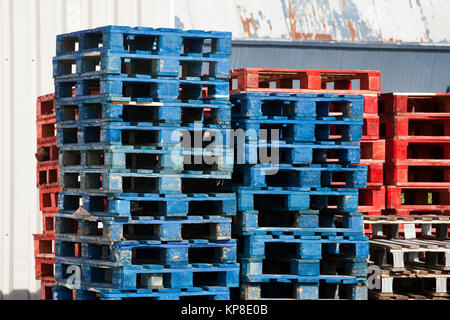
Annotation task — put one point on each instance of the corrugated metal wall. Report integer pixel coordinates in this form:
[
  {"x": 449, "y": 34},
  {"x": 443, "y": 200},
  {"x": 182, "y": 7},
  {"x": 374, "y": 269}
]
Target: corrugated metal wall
[{"x": 28, "y": 29}]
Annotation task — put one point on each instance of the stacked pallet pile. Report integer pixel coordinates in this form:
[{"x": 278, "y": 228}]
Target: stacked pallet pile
[
  {"x": 299, "y": 229},
  {"x": 47, "y": 177},
  {"x": 139, "y": 212},
  {"x": 410, "y": 241}
]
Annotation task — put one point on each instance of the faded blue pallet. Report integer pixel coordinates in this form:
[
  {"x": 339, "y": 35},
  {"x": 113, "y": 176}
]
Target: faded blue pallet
[
  {"x": 313, "y": 176},
  {"x": 164, "y": 113},
  {"x": 300, "y": 130},
  {"x": 141, "y": 87},
  {"x": 303, "y": 247},
  {"x": 172, "y": 159},
  {"x": 149, "y": 230},
  {"x": 132, "y": 206},
  {"x": 146, "y": 40},
  {"x": 139, "y": 181},
  {"x": 323, "y": 152},
  {"x": 110, "y": 61},
  {"x": 311, "y": 288},
  {"x": 259, "y": 105},
  {"x": 273, "y": 221},
  {"x": 257, "y": 198},
  {"x": 93, "y": 133},
  {"x": 103, "y": 275},
  {"x": 170, "y": 254},
  {"x": 60, "y": 292}
]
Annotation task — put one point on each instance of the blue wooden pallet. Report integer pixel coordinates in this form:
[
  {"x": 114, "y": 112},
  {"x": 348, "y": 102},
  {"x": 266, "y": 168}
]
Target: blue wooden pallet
[
  {"x": 164, "y": 113},
  {"x": 103, "y": 275},
  {"x": 140, "y": 86},
  {"x": 300, "y": 130},
  {"x": 275, "y": 222},
  {"x": 172, "y": 159},
  {"x": 301, "y": 200},
  {"x": 311, "y": 288},
  {"x": 150, "y": 230},
  {"x": 132, "y": 206},
  {"x": 288, "y": 176},
  {"x": 93, "y": 133},
  {"x": 319, "y": 152},
  {"x": 60, "y": 292},
  {"x": 138, "y": 181},
  {"x": 170, "y": 254},
  {"x": 146, "y": 40},
  {"x": 303, "y": 247},
  {"x": 109, "y": 61},
  {"x": 259, "y": 105}
]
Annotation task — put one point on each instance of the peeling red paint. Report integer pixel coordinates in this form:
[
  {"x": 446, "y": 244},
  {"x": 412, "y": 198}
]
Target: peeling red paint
[
  {"x": 352, "y": 30},
  {"x": 323, "y": 37}
]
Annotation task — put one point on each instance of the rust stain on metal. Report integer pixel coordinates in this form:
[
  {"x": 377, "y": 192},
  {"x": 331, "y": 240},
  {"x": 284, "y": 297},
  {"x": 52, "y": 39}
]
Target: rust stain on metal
[
  {"x": 352, "y": 30},
  {"x": 248, "y": 23},
  {"x": 296, "y": 34}
]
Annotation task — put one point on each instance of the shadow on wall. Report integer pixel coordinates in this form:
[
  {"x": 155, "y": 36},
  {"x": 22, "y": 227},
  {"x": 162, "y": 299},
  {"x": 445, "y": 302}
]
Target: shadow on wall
[{"x": 20, "y": 295}]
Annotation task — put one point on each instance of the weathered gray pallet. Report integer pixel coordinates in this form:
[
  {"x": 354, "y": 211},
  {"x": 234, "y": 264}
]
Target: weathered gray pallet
[
  {"x": 398, "y": 252},
  {"x": 389, "y": 226}
]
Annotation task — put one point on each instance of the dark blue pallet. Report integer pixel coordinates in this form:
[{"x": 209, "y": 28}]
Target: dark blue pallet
[
  {"x": 109, "y": 61},
  {"x": 171, "y": 254},
  {"x": 148, "y": 230},
  {"x": 164, "y": 113},
  {"x": 172, "y": 159},
  {"x": 288, "y": 176},
  {"x": 93, "y": 133},
  {"x": 303, "y": 247},
  {"x": 300, "y": 130},
  {"x": 138, "y": 181},
  {"x": 146, "y": 88},
  {"x": 278, "y": 222},
  {"x": 60, "y": 292},
  {"x": 146, "y": 40},
  {"x": 311, "y": 288},
  {"x": 102, "y": 275},
  {"x": 257, "y": 198},
  {"x": 132, "y": 206},
  {"x": 256, "y": 105},
  {"x": 322, "y": 152}
]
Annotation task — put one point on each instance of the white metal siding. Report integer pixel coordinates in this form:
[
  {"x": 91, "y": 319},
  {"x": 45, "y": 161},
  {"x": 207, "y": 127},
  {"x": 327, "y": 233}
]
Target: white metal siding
[{"x": 28, "y": 31}]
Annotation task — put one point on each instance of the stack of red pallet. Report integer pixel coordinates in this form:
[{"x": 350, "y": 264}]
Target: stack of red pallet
[
  {"x": 417, "y": 131},
  {"x": 371, "y": 199},
  {"x": 48, "y": 183}
]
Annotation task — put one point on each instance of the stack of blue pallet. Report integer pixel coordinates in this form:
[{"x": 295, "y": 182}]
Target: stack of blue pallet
[
  {"x": 299, "y": 230},
  {"x": 140, "y": 214}
]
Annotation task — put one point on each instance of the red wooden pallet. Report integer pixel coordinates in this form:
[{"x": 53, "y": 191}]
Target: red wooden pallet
[
  {"x": 371, "y": 127},
  {"x": 373, "y": 150},
  {"x": 45, "y": 269},
  {"x": 418, "y": 149},
  {"x": 46, "y": 290},
  {"x": 418, "y": 197},
  {"x": 45, "y": 106},
  {"x": 371, "y": 199},
  {"x": 248, "y": 79},
  {"x": 44, "y": 246},
  {"x": 47, "y": 153},
  {"x": 398, "y": 102},
  {"x": 48, "y": 223},
  {"x": 429, "y": 173},
  {"x": 374, "y": 172},
  {"x": 48, "y": 199},
  {"x": 47, "y": 175},
  {"x": 46, "y": 130},
  {"x": 368, "y": 227},
  {"x": 416, "y": 212},
  {"x": 431, "y": 125}
]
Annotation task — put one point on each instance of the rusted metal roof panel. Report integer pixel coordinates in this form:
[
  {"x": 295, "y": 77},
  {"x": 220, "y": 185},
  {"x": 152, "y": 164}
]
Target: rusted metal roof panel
[{"x": 411, "y": 21}]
